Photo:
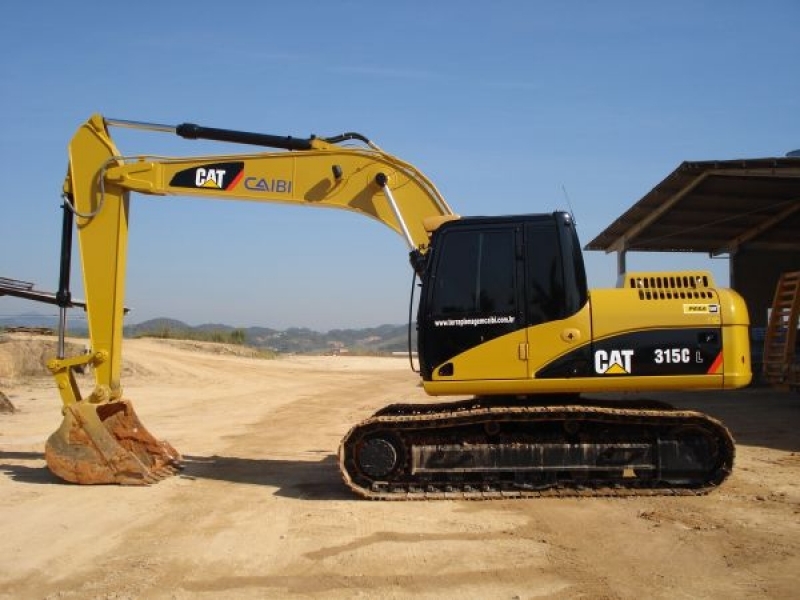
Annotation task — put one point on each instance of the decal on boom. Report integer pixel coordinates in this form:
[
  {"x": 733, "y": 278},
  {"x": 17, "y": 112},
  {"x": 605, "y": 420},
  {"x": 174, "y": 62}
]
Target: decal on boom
[{"x": 217, "y": 176}]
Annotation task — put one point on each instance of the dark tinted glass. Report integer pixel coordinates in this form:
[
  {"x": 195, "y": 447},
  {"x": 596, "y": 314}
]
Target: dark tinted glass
[
  {"x": 545, "y": 275},
  {"x": 475, "y": 274}
]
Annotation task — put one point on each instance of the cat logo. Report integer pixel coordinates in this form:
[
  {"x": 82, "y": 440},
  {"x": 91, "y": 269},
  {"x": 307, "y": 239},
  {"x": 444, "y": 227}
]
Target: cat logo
[
  {"x": 215, "y": 176},
  {"x": 613, "y": 362},
  {"x": 210, "y": 178}
]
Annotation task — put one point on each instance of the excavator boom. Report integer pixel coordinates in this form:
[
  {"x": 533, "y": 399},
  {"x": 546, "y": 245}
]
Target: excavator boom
[
  {"x": 316, "y": 173},
  {"x": 101, "y": 440}
]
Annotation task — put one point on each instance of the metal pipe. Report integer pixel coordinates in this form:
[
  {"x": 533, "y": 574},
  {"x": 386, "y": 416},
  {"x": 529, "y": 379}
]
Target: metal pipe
[
  {"x": 140, "y": 125},
  {"x": 382, "y": 180}
]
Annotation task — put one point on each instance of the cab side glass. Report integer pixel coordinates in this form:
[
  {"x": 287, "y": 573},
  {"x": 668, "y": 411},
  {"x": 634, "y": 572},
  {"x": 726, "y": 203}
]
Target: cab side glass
[{"x": 475, "y": 274}]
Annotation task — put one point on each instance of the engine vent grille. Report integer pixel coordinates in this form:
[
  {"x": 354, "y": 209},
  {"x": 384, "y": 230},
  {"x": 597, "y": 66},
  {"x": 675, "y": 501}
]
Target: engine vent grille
[{"x": 694, "y": 285}]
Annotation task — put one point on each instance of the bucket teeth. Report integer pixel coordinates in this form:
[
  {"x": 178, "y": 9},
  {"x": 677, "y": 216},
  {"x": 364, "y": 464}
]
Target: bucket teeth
[{"x": 107, "y": 443}]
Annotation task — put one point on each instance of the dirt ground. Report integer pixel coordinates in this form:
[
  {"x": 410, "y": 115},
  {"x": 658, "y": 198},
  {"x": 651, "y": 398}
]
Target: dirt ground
[{"x": 260, "y": 510}]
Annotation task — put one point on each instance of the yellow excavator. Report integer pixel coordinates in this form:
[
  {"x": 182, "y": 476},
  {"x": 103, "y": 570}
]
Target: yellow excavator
[{"x": 504, "y": 318}]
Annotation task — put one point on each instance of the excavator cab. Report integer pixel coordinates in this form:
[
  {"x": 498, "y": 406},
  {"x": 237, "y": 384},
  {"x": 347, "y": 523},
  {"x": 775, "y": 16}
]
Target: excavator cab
[
  {"x": 488, "y": 280},
  {"x": 505, "y": 311}
]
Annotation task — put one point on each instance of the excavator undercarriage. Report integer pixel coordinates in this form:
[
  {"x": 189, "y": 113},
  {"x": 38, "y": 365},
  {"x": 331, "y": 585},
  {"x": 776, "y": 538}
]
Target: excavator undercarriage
[{"x": 488, "y": 448}]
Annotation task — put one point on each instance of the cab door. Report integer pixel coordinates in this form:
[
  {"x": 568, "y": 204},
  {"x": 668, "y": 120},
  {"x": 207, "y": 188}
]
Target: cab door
[
  {"x": 472, "y": 321},
  {"x": 557, "y": 312}
]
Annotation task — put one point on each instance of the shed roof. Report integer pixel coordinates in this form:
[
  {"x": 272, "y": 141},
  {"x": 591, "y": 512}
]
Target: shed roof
[{"x": 715, "y": 207}]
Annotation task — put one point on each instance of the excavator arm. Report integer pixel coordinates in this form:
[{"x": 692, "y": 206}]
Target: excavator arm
[{"x": 313, "y": 172}]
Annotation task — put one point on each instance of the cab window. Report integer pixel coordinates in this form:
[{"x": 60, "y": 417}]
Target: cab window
[{"x": 475, "y": 274}]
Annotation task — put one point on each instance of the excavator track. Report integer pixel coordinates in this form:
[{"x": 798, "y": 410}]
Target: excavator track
[{"x": 482, "y": 449}]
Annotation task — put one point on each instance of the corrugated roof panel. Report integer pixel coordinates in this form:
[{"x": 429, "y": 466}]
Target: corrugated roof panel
[{"x": 712, "y": 206}]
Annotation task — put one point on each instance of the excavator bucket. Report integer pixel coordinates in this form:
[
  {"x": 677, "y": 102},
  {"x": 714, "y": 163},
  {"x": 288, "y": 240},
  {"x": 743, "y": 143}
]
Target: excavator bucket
[{"x": 107, "y": 443}]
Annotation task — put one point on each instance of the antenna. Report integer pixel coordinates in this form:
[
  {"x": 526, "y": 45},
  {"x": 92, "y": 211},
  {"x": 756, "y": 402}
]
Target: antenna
[{"x": 569, "y": 203}]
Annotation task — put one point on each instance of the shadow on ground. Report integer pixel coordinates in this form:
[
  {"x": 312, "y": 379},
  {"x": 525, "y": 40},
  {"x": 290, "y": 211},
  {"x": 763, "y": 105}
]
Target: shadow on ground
[
  {"x": 302, "y": 479},
  {"x": 309, "y": 480},
  {"x": 10, "y": 465}
]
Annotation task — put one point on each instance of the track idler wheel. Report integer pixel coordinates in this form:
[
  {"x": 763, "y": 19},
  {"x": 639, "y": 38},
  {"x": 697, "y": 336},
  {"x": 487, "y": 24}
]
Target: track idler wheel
[
  {"x": 379, "y": 456},
  {"x": 107, "y": 443}
]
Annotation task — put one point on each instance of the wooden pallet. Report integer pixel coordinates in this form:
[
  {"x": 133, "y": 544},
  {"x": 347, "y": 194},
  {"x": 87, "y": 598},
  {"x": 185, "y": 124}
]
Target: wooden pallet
[{"x": 779, "y": 367}]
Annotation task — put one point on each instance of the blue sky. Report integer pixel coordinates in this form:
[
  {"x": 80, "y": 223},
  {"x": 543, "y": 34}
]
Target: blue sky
[{"x": 504, "y": 105}]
